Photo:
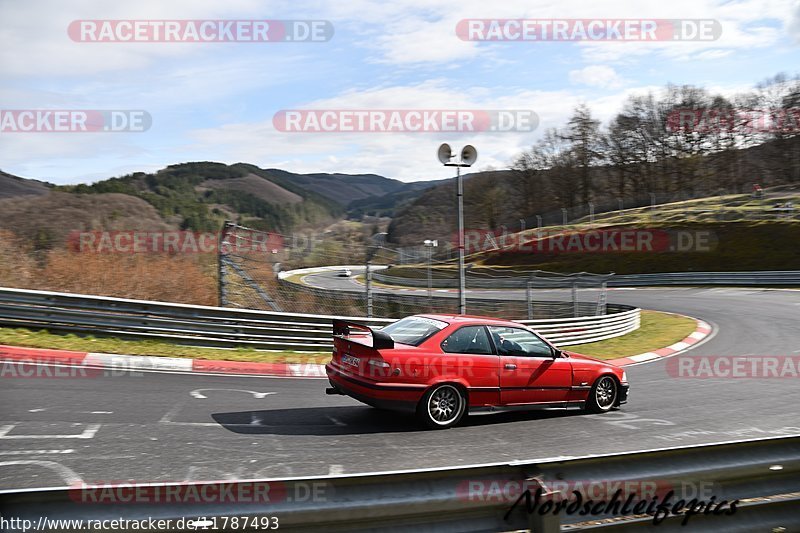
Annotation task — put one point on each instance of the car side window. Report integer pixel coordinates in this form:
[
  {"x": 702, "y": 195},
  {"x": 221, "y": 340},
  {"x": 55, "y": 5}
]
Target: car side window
[
  {"x": 518, "y": 342},
  {"x": 468, "y": 340}
]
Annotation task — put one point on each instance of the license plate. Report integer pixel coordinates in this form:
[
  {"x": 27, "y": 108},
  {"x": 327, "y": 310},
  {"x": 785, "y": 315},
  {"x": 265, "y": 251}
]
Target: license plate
[{"x": 350, "y": 360}]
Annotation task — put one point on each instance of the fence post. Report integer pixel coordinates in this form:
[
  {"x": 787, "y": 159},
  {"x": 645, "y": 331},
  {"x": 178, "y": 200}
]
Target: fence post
[
  {"x": 563, "y": 216},
  {"x": 222, "y": 270},
  {"x": 546, "y": 523},
  {"x": 430, "y": 278},
  {"x": 575, "y": 298},
  {"x": 529, "y": 296},
  {"x": 543, "y": 522},
  {"x": 591, "y": 212},
  {"x": 368, "y": 285},
  {"x": 603, "y": 299}
]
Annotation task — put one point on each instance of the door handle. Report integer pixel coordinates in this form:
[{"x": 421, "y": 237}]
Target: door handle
[{"x": 509, "y": 366}]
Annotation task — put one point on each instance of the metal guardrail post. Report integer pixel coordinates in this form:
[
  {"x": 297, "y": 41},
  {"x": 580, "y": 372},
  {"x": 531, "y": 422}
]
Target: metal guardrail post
[
  {"x": 548, "y": 523},
  {"x": 602, "y": 299},
  {"x": 368, "y": 288},
  {"x": 529, "y": 296},
  {"x": 575, "y": 299},
  {"x": 222, "y": 268}
]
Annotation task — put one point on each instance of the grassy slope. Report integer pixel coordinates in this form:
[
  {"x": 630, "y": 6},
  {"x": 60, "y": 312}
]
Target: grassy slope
[
  {"x": 658, "y": 330},
  {"x": 739, "y": 246},
  {"x": 747, "y": 236},
  {"x": 746, "y": 233},
  {"x": 44, "y": 339}
]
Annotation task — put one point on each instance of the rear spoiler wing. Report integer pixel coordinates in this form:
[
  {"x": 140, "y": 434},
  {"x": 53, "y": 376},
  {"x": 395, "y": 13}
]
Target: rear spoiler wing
[{"x": 380, "y": 340}]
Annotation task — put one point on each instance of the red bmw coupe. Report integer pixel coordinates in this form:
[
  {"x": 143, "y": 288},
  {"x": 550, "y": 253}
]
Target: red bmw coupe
[{"x": 442, "y": 367}]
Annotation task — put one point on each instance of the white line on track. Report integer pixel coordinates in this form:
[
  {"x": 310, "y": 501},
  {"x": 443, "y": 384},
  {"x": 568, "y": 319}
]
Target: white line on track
[
  {"x": 36, "y": 452},
  {"x": 88, "y": 433},
  {"x": 198, "y": 393},
  {"x": 167, "y": 419}
]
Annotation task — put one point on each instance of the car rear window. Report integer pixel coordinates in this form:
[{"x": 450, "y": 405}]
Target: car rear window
[{"x": 413, "y": 330}]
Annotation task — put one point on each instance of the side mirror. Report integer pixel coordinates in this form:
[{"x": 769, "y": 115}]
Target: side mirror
[{"x": 557, "y": 353}]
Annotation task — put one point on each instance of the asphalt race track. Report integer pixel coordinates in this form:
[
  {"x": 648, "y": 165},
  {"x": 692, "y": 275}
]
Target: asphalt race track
[{"x": 172, "y": 427}]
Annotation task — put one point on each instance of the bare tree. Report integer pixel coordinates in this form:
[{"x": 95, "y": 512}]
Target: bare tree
[{"x": 586, "y": 143}]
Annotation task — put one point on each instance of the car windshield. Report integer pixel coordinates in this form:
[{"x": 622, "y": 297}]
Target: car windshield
[{"x": 413, "y": 330}]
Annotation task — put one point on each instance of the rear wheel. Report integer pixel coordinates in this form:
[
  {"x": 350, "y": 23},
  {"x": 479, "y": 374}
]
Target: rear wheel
[
  {"x": 603, "y": 395},
  {"x": 442, "y": 407}
]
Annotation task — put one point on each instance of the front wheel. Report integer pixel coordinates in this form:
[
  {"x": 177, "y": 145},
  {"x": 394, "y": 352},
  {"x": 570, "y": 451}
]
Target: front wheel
[
  {"x": 442, "y": 407},
  {"x": 603, "y": 395}
]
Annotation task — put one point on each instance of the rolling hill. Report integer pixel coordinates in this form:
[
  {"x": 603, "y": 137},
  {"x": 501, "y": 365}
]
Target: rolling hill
[
  {"x": 199, "y": 196},
  {"x": 11, "y": 186}
]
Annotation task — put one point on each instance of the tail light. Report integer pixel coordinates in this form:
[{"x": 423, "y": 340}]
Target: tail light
[{"x": 378, "y": 368}]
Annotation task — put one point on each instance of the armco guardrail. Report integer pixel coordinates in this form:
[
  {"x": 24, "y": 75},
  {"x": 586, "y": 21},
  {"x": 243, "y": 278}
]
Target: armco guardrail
[
  {"x": 755, "y": 278},
  {"x": 226, "y": 327},
  {"x": 583, "y": 330},
  {"x": 763, "y": 475}
]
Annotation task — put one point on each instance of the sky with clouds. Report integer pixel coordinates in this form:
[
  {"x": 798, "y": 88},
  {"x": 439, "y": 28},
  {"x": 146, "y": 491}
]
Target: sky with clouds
[{"x": 216, "y": 101}]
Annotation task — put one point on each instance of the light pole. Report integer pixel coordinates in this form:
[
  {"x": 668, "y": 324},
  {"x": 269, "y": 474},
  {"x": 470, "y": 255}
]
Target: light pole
[
  {"x": 468, "y": 156},
  {"x": 430, "y": 245}
]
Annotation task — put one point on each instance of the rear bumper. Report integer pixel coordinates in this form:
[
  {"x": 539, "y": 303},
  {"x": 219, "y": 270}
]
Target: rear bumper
[{"x": 392, "y": 396}]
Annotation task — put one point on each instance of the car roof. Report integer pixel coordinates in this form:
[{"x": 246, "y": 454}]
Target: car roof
[{"x": 472, "y": 320}]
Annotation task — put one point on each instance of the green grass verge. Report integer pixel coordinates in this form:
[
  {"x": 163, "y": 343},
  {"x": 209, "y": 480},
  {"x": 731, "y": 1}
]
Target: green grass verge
[
  {"x": 656, "y": 331},
  {"x": 45, "y": 339}
]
